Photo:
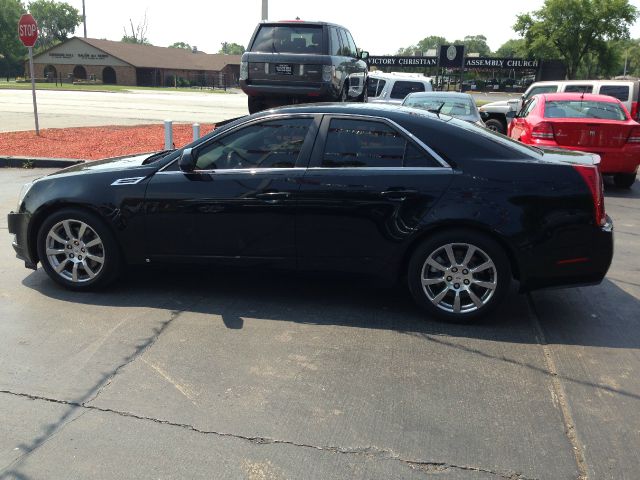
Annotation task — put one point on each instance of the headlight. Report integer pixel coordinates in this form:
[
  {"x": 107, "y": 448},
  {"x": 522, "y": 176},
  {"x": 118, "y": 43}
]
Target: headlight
[
  {"x": 244, "y": 70},
  {"x": 23, "y": 193}
]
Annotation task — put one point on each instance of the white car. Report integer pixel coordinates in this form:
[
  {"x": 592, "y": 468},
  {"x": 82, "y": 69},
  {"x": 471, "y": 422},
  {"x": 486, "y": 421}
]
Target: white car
[
  {"x": 454, "y": 104},
  {"x": 395, "y": 86}
]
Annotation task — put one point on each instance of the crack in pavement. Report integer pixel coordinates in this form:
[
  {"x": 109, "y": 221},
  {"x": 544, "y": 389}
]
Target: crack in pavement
[
  {"x": 93, "y": 393},
  {"x": 370, "y": 452},
  {"x": 559, "y": 391}
]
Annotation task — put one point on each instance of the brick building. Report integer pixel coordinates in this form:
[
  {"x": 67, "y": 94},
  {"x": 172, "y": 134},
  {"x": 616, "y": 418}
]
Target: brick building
[{"x": 132, "y": 64}]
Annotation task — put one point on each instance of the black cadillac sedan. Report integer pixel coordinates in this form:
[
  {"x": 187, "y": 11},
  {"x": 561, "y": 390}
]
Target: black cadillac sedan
[{"x": 454, "y": 210}]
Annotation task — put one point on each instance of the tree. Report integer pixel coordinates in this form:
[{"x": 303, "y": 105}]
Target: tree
[
  {"x": 183, "y": 45},
  {"x": 56, "y": 22},
  {"x": 573, "y": 29},
  {"x": 427, "y": 43},
  {"x": 138, "y": 33},
  {"x": 516, "y": 47},
  {"x": 231, "y": 49},
  {"x": 475, "y": 44},
  {"x": 11, "y": 50}
]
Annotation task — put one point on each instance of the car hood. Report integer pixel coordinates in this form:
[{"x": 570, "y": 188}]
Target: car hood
[
  {"x": 118, "y": 163},
  {"x": 501, "y": 103}
]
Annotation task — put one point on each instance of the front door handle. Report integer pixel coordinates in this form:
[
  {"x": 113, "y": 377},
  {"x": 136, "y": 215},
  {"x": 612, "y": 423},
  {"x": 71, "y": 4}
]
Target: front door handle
[
  {"x": 272, "y": 196},
  {"x": 399, "y": 194}
]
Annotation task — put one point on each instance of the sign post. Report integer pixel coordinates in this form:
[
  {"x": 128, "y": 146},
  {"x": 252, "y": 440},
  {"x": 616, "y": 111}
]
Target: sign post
[{"x": 28, "y": 33}]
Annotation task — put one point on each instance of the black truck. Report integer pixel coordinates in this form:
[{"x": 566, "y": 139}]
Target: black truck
[{"x": 292, "y": 62}]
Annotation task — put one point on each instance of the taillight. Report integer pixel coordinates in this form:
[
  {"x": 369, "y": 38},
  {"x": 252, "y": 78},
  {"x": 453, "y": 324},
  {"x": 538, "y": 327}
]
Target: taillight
[
  {"x": 634, "y": 136},
  {"x": 543, "y": 130},
  {"x": 634, "y": 110},
  {"x": 592, "y": 177}
]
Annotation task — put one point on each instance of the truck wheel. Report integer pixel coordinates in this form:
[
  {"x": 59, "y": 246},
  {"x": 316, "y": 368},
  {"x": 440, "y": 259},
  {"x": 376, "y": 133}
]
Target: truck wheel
[
  {"x": 255, "y": 104},
  {"x": 496, "y": 125},
  {"x": 624, "y": 180}
]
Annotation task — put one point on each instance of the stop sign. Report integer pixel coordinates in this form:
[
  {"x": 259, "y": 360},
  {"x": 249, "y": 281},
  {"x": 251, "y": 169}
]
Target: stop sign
[{"x": 28, "y": 30}]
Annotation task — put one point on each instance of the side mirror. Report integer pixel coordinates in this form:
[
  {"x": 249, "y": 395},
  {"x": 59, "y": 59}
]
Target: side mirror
[
  {"x": 187, "y": 160},
  {"x": 364, "y": 55}
]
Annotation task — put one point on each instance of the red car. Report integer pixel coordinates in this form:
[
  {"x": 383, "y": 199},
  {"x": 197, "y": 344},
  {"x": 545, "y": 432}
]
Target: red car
[{"x": 588, "y": 123}]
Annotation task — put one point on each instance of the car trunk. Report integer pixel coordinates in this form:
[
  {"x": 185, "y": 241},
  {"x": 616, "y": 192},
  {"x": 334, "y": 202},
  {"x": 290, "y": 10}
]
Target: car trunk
[
  {"x": 284, "y": 68},
  {"x": 578, "y": 133}
]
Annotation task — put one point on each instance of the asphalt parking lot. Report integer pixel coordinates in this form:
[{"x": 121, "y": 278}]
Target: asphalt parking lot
[{"x": 195, "y": 374}]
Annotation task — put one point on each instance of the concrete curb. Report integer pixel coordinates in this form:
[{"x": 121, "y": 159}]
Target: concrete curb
[{"x": 37, "y": 162}]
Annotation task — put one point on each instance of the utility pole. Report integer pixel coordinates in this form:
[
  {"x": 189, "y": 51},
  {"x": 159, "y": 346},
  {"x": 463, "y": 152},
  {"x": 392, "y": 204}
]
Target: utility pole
[
  {"x": 265, "y": 9},
  {"x": 84, "y": 20}
]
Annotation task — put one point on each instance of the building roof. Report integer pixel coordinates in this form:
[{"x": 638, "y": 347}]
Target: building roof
[{"x": 148, "y": 56}]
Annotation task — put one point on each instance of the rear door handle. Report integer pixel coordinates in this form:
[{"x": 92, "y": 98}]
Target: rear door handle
[
  {"x": 399, "y": 194},
  {"x": 272, "y": 196}
]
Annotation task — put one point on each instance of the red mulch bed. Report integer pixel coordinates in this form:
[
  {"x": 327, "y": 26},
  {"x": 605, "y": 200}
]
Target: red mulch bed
[{"x": 93, "y": 143}]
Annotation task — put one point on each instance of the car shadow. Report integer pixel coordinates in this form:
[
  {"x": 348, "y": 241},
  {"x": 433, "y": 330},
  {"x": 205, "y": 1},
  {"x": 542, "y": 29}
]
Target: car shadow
[
  {"x": 354, "y": 302},
  {"x": 610, "y": 190}
]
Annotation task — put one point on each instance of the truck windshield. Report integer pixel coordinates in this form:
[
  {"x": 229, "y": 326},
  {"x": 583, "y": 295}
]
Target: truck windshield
[{"x": 288, "y": 39}]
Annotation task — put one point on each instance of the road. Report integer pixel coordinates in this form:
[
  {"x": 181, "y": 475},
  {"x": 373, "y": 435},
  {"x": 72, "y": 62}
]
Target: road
[
  {"x": 61, "y": 109},
  {"x": 182, "y": 374}
]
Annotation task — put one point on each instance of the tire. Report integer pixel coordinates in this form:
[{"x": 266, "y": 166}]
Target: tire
[
  {"x": 255, "y": 104},
  {"x": 496, "y": 125},
  {"x": 432, "y": 276},
  {"x": 78, "y": 251},
  {"x": 344, "y": 97},
  {"x": 624, "y": 180}
]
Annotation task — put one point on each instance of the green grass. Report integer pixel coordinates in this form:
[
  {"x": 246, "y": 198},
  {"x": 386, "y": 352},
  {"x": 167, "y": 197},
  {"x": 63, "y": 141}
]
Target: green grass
[{"x": 4, "y": 85}]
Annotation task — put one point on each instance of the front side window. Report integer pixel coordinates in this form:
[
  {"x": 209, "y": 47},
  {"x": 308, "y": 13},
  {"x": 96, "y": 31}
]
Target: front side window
[
  {"x": 288, "y": 39},
  {"x": 346, "y": 50},
  {"x": 539, "y": 90},
  {"x": 364, "y": 143},
  {"x": 352, "y": 44},
  {"x": 375, "y": 86},
  {"x": 270, "y": 144},
  {"x": 403, "y": 88}
]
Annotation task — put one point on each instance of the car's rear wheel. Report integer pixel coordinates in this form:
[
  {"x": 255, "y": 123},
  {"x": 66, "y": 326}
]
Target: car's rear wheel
[
  {"x": 459, "y": 275},
  {"x": 624, "y": 180},
  {"x": 77, "y": 250},
  {"x": 495, "y": 125}
]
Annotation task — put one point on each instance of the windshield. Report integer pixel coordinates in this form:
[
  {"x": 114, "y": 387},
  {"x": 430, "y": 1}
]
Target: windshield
[
  {"x": 288, "y": 39},
  {"x": 460, "y": 107},
  {"x": 584, "y": 109}
]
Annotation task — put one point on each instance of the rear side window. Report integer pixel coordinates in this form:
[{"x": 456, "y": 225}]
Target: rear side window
[
  {"x": 578, "y": 88},
  {"x": 621, "y": 92},
  {"x": 403, "y": 88},
  {"x": 288, "y": 39},
  {"x": 375, "y": 86},
  {"x": 363, "y": 143},
  {"x": 335, "y": 42}
]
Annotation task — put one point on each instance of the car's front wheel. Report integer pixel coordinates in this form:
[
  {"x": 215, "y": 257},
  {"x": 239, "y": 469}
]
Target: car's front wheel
[
  {"x": 459, "y": 275},
  {"x": 496, "y": 125},
  {"x": 77, "y": 250}
]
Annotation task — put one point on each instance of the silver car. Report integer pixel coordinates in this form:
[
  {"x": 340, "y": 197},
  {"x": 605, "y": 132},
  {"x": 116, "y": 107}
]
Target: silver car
[{"x": 459, "y": 105}]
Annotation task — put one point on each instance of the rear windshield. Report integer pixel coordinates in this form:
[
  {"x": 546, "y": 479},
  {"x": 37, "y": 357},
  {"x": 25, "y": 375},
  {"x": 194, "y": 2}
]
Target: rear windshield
[
  {"x": 288, "y": 39},
  {"x": 584, "y": 109},
  {"x": 450, "y": 106}
]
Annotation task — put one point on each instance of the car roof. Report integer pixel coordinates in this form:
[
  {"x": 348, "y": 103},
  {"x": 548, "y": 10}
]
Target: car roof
[
  {"x": 465, "y": 96},
  {"x": 589, "y": 97},
  {"x": 300, "y": 22},
  {"x": 394, "y": 112}
]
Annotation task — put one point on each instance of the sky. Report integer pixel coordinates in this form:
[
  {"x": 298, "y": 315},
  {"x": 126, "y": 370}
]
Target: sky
[{"x": 381, "y": 28}]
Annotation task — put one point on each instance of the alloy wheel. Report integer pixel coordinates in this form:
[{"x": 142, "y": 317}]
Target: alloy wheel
[
  {"x": 75, "y": 251},
  {"x": 459, "y": 278}
]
